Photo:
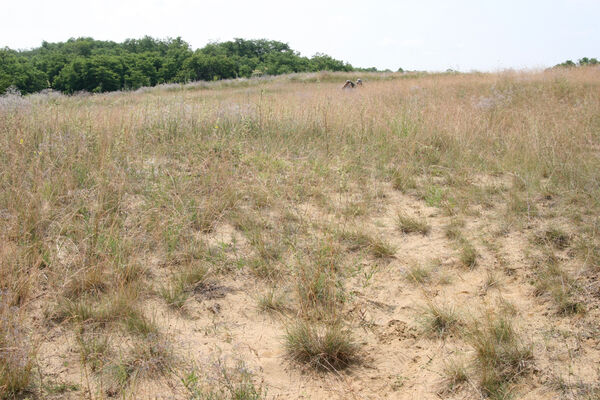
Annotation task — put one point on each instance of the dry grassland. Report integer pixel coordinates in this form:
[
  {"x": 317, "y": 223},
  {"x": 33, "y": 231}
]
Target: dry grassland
[{"x": 425, "y": 236}]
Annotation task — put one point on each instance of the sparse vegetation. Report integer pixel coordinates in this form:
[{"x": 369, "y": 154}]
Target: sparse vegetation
[
  {"x": 184, "y": 281},
  {"x": 222, "y": 382},
  {"x": 143, "y": 230}
]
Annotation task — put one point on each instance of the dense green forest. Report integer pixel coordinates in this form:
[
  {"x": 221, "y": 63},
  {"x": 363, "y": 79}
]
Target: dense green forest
[{"x": 85, "y": 64}]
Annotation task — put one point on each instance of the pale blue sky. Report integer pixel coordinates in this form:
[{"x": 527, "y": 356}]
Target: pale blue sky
[{"x": 424, "y": 35}]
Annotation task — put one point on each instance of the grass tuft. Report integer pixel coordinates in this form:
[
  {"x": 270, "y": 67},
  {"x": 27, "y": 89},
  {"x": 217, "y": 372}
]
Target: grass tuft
[
  {"x": 551, "y": 279},
  {"x": 183, "y": 282},
  {"x": 17, "y": 355},
  {"x": 323, "y": 347},
  {"x": 377, "y": 247},
  {"x": 501, "y": 356},
  {"x": 456, "y": 375},
  {"x": 468, "y": 255},
  {"x": 222, "y": 383},
  {"x": 439, "y": 320},
  {"x": 419, "y": 274},
  {"x": 555, "y": 236},
  {"x": 408, "y": 224},
  {"x": 272, "y": 301}
]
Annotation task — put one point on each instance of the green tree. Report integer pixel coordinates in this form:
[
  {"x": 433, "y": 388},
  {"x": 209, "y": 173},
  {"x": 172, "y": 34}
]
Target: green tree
[{"x": 20, "y": 72}]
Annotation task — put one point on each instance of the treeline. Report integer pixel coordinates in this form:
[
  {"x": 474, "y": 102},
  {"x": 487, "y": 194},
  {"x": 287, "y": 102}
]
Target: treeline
[
  {"x": 85, "y": 64},
  {"x": 581, "y": 63}
]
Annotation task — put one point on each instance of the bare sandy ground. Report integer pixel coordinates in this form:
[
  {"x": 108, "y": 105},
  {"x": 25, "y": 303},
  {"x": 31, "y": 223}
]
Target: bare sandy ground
[{"x": 222, "y": 324}]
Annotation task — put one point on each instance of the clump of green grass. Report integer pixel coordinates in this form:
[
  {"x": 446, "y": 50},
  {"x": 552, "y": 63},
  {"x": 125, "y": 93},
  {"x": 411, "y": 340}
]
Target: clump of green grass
[
  {"x": 434, "y": 196},
  {"x": 381, "y": 249},
  {"x": 439, "y": 320},
  {"x": 117, "y": 376},
  {"x": 408, "y": 224},
  {"x": 419, "y": 274},
  {"x": 327, "y": 256},
  {"x": 501, "y": 356},
  {"x": 324, "y": 347},
  {"x": 377, "y": 247},
  {"x": 468, "y": 255},
  {"x": 137, "y": 323},
  {"x": 115, "y": 307},
  {"x": 553, "y": 280},
  {"x": 356, "y": 208},
  {"x": 263, "y": 268},
  {"x": 174, "y": 294},
  {"x": 92, "y": 280}
]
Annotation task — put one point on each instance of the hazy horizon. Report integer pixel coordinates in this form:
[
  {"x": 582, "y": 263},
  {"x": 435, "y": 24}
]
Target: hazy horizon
[{"x": 432, "y": 35}]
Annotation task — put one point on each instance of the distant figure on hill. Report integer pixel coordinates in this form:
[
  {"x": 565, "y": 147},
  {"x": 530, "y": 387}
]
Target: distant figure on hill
[{"x": 348, "y": 85}]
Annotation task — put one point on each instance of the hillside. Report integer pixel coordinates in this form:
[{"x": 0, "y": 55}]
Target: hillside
[{"x": 424, "y": 236}]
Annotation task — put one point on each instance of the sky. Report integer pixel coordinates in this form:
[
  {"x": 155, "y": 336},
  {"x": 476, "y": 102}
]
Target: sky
[{"x": 431, "y": 35}]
